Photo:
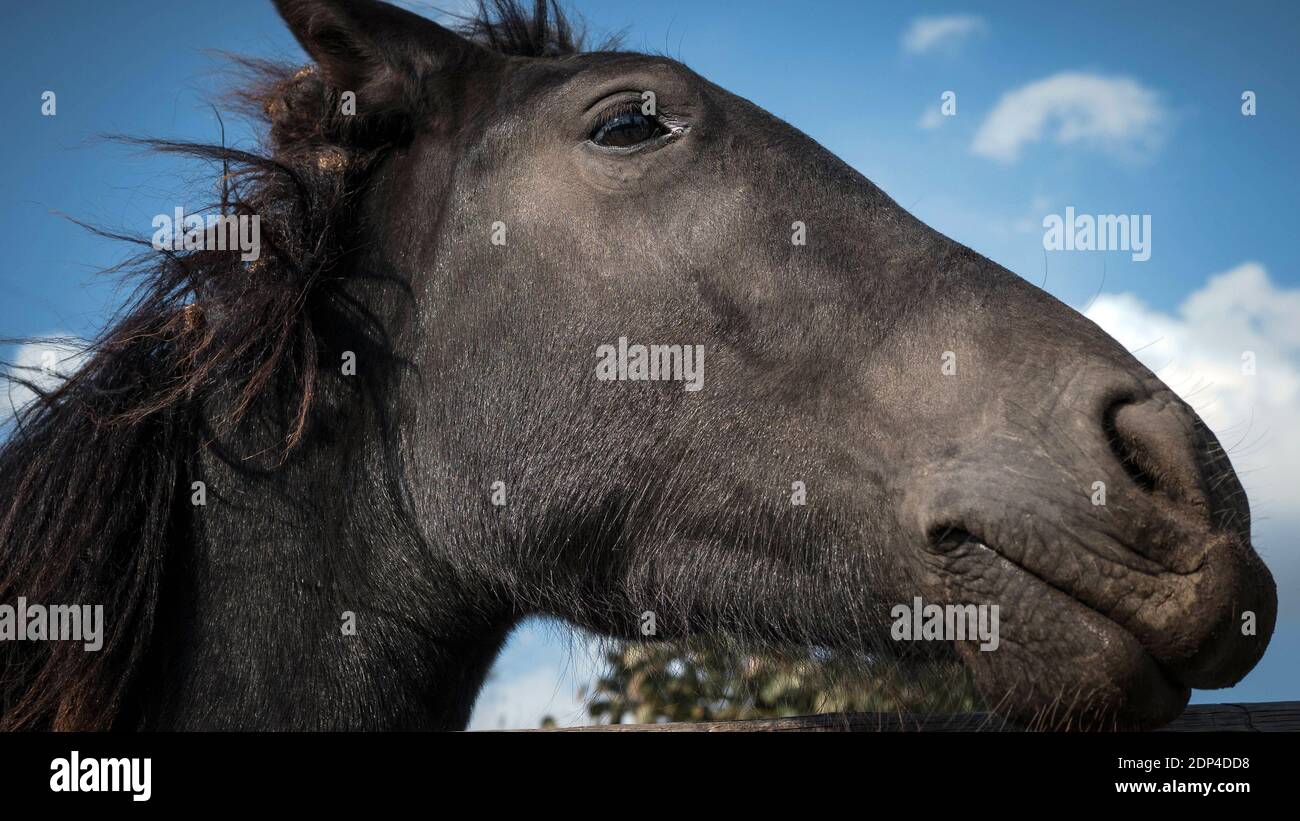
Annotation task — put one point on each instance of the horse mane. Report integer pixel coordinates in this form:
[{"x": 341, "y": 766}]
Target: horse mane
[
  {"x": 508, "y": 29},
  {"x": 94, "y": 474}
]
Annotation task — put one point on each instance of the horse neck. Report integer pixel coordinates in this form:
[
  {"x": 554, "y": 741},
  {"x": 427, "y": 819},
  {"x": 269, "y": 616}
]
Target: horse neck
[{"x": 303, "y": 598}]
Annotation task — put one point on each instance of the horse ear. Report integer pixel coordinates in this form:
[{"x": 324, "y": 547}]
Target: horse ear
[{"x": 383, "y": 54}]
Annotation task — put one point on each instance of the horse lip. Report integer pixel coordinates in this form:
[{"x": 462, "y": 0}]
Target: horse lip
[
  {"x": 1159, "y": 691},
  {"x": 947, "y": 538},
  {"x": 1170, "y": 678}
]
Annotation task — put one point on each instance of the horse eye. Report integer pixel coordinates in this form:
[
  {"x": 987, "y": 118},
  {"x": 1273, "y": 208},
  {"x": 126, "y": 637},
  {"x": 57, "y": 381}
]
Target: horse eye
[{"x": 628, "y": 129}]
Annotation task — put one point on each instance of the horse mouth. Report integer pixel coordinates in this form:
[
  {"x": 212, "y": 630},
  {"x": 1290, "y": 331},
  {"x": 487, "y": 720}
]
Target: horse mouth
[
  {"x": 950, "y": 539},
  {"x": 1162, "y": 693},
  {"x": 947, "y": 538}
]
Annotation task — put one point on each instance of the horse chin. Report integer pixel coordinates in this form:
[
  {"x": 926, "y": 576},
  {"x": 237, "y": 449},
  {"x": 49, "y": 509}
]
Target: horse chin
[{"x": 1110, "y": 683}]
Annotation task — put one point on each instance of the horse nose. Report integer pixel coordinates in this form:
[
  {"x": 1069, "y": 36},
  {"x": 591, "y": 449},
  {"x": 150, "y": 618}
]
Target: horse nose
[
  {"x": 1156, "y": 441},
  {"x": 1176, "y": 464}
]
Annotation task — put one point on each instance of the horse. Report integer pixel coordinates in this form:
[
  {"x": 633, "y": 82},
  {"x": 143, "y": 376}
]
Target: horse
[{"x": 315, "y": 487}]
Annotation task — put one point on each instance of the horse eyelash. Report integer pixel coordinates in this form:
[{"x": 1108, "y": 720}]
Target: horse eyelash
[
  {"x": 617, "y": 110},
  {"x": 673, "y": 126}
]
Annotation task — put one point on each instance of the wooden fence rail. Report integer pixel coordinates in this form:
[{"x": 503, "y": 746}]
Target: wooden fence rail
[{"x": 1268, "y": 716}]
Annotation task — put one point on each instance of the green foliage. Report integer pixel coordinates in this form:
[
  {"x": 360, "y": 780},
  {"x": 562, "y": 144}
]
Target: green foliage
[{"x": 657, "y": 682}]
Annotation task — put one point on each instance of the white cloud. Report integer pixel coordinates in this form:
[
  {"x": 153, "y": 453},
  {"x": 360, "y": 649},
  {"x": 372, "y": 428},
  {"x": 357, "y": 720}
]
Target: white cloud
[
  {"x": 929, "y": 34},
  {"x": 45, "y": 363},
  {"x": 931, "y": 119},
  {"x": 1198, "y": 352},
  {"x": 539, "y": 674},
  {"x": 1115, "y": 114}
]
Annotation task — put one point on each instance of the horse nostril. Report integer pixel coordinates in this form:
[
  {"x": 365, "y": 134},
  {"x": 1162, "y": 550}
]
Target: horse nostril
[
  {"x": 1130, "y": 457},
  {"x": 1155, "y": 441}
]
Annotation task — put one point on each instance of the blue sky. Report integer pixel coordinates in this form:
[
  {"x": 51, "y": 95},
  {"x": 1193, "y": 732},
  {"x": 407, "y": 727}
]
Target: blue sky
[{"x": 1106, "y": 107}]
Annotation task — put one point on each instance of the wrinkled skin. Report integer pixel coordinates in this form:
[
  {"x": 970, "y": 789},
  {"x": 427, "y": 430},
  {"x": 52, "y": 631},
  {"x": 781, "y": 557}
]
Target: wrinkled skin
[{"x": 823, "y": 364}]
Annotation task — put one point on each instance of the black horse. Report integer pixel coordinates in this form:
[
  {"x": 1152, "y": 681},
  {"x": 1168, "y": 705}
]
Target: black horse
[{"x": 317, "y": 489}]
